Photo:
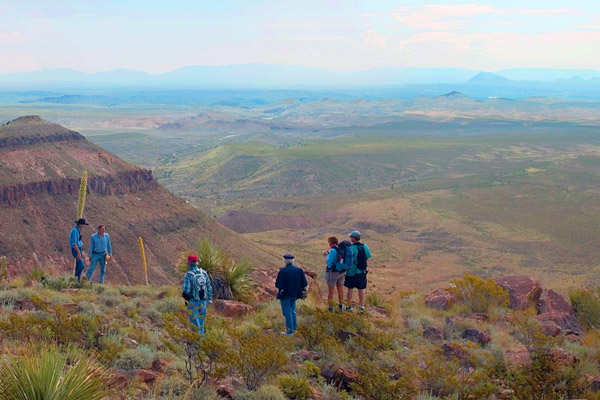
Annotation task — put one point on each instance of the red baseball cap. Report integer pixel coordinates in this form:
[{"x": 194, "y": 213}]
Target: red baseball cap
[{"x": 193, "y": 258}]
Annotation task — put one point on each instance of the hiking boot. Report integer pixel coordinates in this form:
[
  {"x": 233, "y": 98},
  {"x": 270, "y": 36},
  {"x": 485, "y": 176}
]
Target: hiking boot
[
  {"x": 340, "y": 307},
  {"x": 348, "y": 308},
  {"x": 330, "y": 308},
  {"x": 362, "y": 310}
]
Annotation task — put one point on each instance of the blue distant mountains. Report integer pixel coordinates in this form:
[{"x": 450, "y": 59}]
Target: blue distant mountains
[{"x": 270, "y": 75}]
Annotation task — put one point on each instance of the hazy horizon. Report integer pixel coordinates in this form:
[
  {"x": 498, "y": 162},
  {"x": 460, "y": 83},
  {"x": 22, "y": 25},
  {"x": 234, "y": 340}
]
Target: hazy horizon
[{"x": 333, "y": 35}]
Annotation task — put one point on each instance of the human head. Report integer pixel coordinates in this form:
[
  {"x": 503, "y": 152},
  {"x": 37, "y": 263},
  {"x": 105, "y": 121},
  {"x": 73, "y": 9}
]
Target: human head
[
  {"x": 354, "y": 236},
  {"x": 288, "y": 258},
  {"x": 333, "y": 241},
  {"x": 100, "y": 230},
  {"x": 80, "y": 223},
  {"x": 192, "y": 260}
]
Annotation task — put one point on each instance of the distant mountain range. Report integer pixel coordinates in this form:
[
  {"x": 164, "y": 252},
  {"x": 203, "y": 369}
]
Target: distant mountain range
[{"x": 270, "y": 75}]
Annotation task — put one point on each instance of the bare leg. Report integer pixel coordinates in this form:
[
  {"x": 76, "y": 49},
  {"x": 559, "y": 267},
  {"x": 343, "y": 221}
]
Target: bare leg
[
  {"x": 349, "y": 297},
  {"x": 361, "y": 297},
  {"x": 340, "y": 290}
]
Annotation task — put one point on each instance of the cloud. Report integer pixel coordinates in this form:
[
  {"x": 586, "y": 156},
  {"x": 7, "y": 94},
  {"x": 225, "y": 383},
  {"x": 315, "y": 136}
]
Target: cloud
[
  {"x": 12, "y": 37},
  {"x": 451, "y": 16},
  {"x": 373, "y": 38}
]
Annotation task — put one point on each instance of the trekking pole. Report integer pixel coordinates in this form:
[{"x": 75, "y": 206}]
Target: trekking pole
[{"x": 143, "y": 254}]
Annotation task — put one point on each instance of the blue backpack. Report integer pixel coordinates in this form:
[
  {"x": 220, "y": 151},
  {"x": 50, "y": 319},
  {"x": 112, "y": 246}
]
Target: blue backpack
[{"x": 344, "y": 256}]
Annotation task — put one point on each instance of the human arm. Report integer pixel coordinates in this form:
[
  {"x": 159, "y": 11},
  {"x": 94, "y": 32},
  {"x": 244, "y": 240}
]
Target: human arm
[
  {"x": 73, "y": 242},
  {"x": 92, "y": 246},
  {"x": 108, "y": 246},
  {"x": 331, "y": 259},
  {"x": 367, "y": 251}
]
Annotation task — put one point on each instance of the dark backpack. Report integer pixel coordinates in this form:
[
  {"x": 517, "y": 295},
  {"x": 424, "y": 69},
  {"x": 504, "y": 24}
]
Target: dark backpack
[
  {"x": 361, "y": 257},
  {"x": 344, "y": 256}
]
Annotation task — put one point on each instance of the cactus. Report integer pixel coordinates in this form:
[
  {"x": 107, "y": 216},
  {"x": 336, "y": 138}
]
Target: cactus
[
  {"x": 143, "y": 255},
  {"x": 82, "y": 193}
]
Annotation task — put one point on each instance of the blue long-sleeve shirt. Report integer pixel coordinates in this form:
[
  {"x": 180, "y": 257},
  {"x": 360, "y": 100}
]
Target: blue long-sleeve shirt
[
  {"x": 100, "y": 244},
  {"x": 75, "y": 238},
  {"x": 186, "y": 286},
  {"x": 332, "y": 258}
]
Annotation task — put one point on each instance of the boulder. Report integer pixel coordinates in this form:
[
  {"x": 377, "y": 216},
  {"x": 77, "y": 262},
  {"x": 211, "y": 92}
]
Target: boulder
[
  {"x": 24, "y": 304},
  {"x": 523, "y": 290},
  {"x": 592, "y": 381},
  {"x": 146, "y": 375},
  {"x": 339, "y": 376},
  {"x": 225, "y": 391},
  {"x": 344, "y": 336},
  {"x": 452, "y": 350},
  {"x": 230, "y": 308},
  {"x": 162, "y": 295},
  {"x": 567, "y": 322},
  {"x": 308, "y": 355},
  {"x": 432, "y": 333},
  {"x": 477, "y": 336},
  {"x": 160, "y": 365},
  {"x": 563, "y": 357},
  {"x": 550, "y": 328},
  {"x": 552, "y": 302},
  {"x": 439, "y": 299},
  {"x": 573, "y": 338},
  {"x": 516, "y": 357}
]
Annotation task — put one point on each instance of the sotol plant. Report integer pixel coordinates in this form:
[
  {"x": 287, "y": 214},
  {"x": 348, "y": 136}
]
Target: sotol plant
[
  {"x": 82, "y": 193},
  {"x": 231, "y": 280},
  {"x": 52, "y": 375}
]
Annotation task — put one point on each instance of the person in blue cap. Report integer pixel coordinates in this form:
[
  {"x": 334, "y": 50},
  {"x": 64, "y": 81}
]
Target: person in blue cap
[
  {"x": 356, "y": 275},
  {"x": 290, "y": 282},
  {"x": 76, "y": 246}
]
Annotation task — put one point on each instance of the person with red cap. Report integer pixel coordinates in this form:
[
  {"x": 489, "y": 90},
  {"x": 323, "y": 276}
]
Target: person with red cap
[{"x": 197, "y": 292}]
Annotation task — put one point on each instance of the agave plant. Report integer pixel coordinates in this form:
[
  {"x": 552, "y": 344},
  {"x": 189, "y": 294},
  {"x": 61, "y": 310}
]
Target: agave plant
[{"x": 52, "y": 375}]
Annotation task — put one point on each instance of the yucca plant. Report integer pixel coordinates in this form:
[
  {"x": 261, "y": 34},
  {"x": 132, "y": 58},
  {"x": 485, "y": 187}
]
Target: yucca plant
[
  {"x": 82, "y": 193},
  {"x": 230, "y": 280},
  {"x": 52, "y": 375}
]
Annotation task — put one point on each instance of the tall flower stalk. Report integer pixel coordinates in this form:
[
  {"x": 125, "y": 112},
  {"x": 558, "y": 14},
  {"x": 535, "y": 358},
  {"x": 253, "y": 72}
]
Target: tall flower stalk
[
  {"x": 82, "y": 193},
  {"x": 143, "y": 255}
]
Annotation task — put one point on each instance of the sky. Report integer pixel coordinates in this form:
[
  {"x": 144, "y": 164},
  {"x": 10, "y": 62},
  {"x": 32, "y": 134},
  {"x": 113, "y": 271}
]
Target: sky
[{"x": 335, "y": 35}]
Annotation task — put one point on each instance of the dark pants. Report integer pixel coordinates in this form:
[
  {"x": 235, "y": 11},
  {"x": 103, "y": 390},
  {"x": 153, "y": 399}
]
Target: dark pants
[{"x": 79, "y": 266}]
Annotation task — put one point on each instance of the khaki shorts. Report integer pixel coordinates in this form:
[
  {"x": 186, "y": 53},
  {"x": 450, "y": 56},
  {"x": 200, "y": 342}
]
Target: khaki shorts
[{"x": 334, "y": 278}]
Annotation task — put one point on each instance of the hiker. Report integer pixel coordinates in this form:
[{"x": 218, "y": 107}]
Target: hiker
[
  {"x": 197, "y": 292},
  {"x": 76, "y": 246},
  {"x": 99, "y": 249},
  {"x": 356, "y": 276},
  {"x": 334, "y": 275},
  {"x": 291, "y": 281}
]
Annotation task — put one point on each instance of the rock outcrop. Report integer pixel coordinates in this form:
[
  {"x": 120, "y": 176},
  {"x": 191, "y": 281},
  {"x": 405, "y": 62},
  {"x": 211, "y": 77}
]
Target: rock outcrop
[{"x": 523, "y": 290}]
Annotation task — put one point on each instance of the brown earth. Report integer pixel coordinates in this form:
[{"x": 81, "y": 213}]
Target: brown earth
[{"x": 40, "y": 170}]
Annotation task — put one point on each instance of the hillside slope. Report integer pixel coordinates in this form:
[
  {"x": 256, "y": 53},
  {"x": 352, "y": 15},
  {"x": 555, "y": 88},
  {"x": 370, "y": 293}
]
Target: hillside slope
[{"x": 40, "y": 169}]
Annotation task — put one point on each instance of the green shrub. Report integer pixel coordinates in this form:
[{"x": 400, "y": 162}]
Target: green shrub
[
  {"x": 138, "y": 358},
  {"x": 377, "y": 383},
  {"x": 211, "y": 258},
  {"x": 295, "y": 387},
  {"x": 265, "y": 392},
  {"x": 586, "y": 304},
  {"x": 311, "y": 369},
  {"x": 479, "y": 294},
  {"x": 36, "y": 275},
  {"x": 168, "y": 305},
  {"x": 152, "y": 314},
  {"x": 52, "y": 375},
  {"x": 258, "y": 356},
  {"x": 203, "y": 393}
]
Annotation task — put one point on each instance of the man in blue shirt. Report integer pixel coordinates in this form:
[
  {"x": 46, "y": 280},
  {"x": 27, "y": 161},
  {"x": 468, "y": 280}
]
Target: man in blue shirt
[
  {"x": 76, "y": 246},
  {"x": 290, "y": 282},
  {"x": 99, "y": 249},
  {"x": 197, "y": 292}
]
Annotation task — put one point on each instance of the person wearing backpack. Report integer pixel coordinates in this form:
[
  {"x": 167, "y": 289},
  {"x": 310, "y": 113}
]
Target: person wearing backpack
[
  {"x": 290, "y": 283},
  {"x": 197, "y": 292},
  {"x": 335, "y": 271},
  {"x": 356, "y": 276}
]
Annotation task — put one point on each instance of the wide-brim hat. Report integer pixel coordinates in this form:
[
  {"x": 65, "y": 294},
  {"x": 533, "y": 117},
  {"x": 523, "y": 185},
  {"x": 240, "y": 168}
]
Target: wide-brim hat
[{"x": 81, "y": 221}]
